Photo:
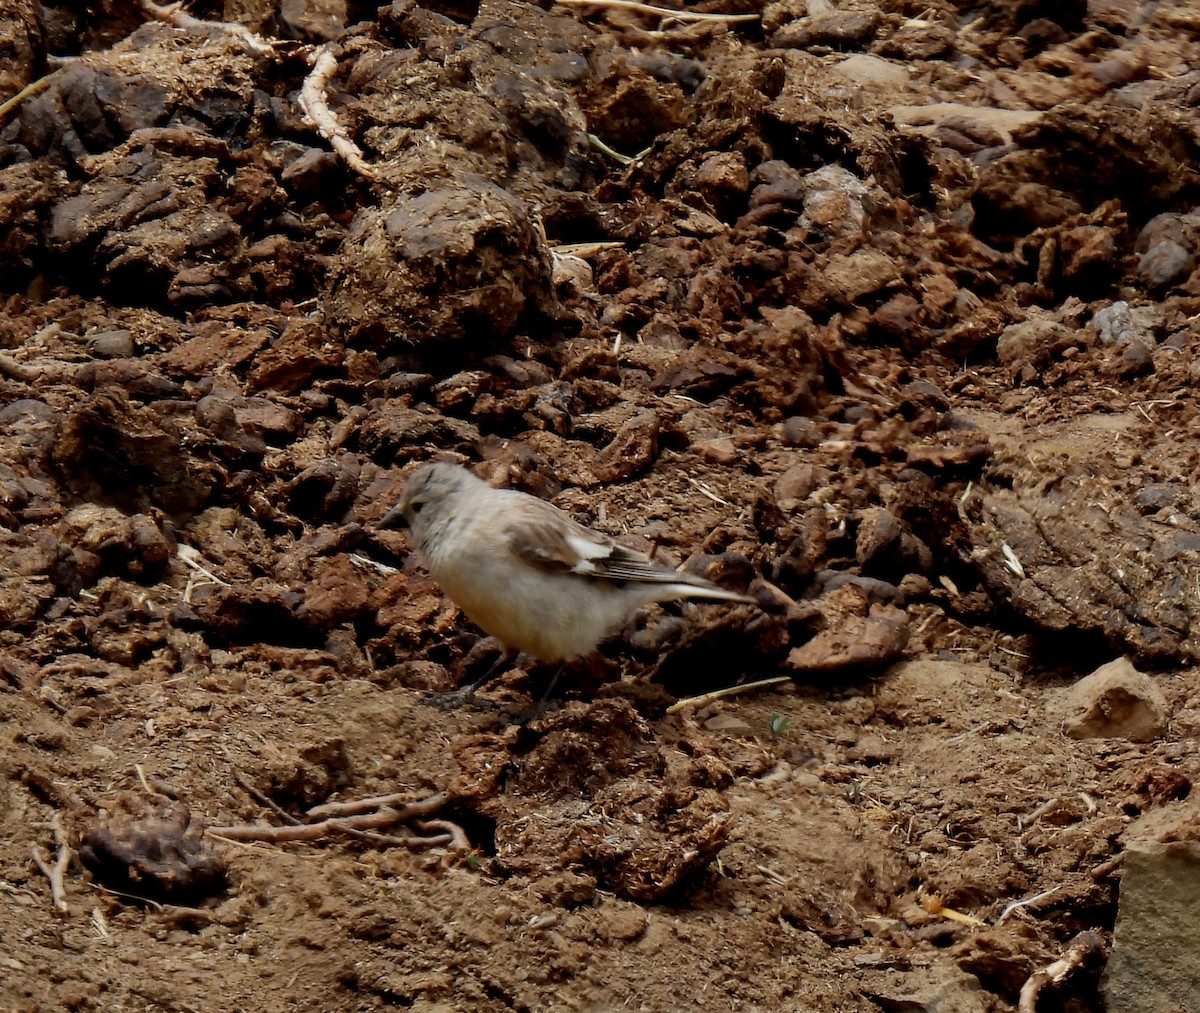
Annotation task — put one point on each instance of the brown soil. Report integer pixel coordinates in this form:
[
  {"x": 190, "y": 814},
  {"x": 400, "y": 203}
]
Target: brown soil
[{"x": 895, "y": 324}]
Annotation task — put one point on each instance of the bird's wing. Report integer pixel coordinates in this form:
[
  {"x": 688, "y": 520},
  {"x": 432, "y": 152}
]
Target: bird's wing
[{"x": 543, "y": 536}]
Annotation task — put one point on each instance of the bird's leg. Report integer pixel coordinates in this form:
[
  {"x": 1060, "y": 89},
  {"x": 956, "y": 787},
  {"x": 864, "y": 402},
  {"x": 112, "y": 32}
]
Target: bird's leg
[
  {"x": 539, "y": 708},
  {"x": 550, "y": 687},
  {"x": 465, "y": 694}
]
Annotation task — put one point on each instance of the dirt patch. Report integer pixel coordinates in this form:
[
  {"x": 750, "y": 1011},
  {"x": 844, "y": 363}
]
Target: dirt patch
[{"x": 886, "y": 313}]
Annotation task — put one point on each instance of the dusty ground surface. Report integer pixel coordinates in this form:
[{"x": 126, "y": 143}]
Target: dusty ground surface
[{"x": 895, "y": 324}]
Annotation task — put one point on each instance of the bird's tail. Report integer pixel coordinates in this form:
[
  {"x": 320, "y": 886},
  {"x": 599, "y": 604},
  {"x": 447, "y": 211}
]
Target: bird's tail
[{"x": 707, "y": 590}]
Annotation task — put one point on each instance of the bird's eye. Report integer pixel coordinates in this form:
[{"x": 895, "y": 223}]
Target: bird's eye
[{"x": 415, "y": 506}]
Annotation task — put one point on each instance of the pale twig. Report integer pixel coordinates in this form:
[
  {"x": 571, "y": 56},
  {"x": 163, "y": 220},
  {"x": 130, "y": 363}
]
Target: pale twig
[
  {"x": 263, "y": 799},
  {"x": 585, "y": 250},
  {"x": 778, "y": 593},
  {"x": 173, "y": 14},
  {"x": 31, "y": 89},
  {"x": 16, "y": 371},
  {"x": 310, "y": 831},
  {"x": 353, "y": 821},
  {"x": 316, "y": 109},
  {"x": 705, "y": 491},
  {"x": 190, "y": 557},
  {"x": 719, "y": 694},
  {"x": 458, "y": 836},
  {"x": 1037, "y": 814},
  {"x": 1016, "y": 905},
  {"x": 371, "y": 564},
  {"x": 773, "y": 876},
  {"x": 612, "y": 153},
  {"x": 149, "y": 788},
  {"x": 58, "y": 891},
  {"x": 361, "y": 805},
  {"x": 662, "y": 12},
  {"x": 1079, "y": 951},
  {"x": 1105, "y": 869}
]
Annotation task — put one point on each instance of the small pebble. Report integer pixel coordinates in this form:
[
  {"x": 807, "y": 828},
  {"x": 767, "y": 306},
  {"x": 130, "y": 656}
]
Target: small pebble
[
  {"x": 729, "y": 724},
  {"x": 718, "y": 451},
  {"x": 116, "y": 344},
  {"x": 799, "y": 431}
]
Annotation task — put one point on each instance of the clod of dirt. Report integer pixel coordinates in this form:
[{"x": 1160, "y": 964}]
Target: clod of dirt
[
  {"x": 1032, "y": 344},
  {"x": 1075, "y": 555},
  {"x": 632, "y": 451},
  {"x": 130, "y": 455},
  {"x": 23, "y": 561},
  {"x": 639, "y": 840},
  {"x": 589, "y": 799},
  {"x": 856, "y": 634},
  {"x": 462, "y": 261},
  {"x": 20, "y": 45},
  {"x": 835, "y": 30},
  {"x": 1115, "y": 702},
  {"x": 103, "y": 539},
  {"x": 145, "y": 81},
  {"x": 152, "y": 849},
  {"x": 586, "y": 747}
]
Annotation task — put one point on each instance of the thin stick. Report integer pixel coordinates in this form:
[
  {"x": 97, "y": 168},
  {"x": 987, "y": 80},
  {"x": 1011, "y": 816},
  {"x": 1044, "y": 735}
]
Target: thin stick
[
  {"x": 173, "y": 14},
  {"x": 263, "y": 799},
  {"x": 458, "y": 836},
  {"x": 58, "y": 892},
  {"x": 421, "y": 807},
  {"x": 705, "y": 491},
  {"x": 1018, "y": 904},
  {"x": 612, "y": 153},
  {"x": 316, "y": 109},
  {"x": 1105, "y": 869},
  {"x": 586, "y": 250},
  {"x": 308, "y": 831},
  {"x": 391, "y": 840},
  {"x": 778, "y": 593},
  {"x": 190, "y": 558},
  {"x": 662, "y": 12},
  {"x": 31, "y": 89},
  {"x": 15, "y": 370},
  {"x": 314, "y": 831},
  {"x": 718, "y": 694},
  {"x": 1037, "y": 814},
  {"x": 371, "y": 564}
]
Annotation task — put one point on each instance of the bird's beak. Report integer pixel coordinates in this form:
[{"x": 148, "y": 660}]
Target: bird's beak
[{"x": 396, "y": 517}]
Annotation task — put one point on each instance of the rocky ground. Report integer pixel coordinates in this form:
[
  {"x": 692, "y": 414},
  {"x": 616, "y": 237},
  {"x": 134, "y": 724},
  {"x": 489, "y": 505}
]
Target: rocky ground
[{"x": 884, "y": 310}]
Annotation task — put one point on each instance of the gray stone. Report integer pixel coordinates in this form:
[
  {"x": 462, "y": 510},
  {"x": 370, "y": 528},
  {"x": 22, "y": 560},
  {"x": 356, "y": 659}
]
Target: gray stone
[
  {"x": 1034, "y": 342},
  {"x": 1153, "y": 967},
  {"x": 1114, "y": 324},
  {"x": 1164, "y": 264},
  {"x": 116, "y": 344}
]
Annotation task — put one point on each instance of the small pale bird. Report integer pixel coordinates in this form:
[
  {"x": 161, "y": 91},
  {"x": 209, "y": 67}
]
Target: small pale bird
[{"x": 525, "y": 572}]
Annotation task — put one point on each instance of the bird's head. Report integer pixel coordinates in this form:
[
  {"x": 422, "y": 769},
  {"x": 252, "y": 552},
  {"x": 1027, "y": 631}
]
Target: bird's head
[{"x": 427, "y": 490}]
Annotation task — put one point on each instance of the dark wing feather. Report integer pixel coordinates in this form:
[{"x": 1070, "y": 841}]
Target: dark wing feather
[
  {"x": 542, "y": 542},
  {"x": 543, "y": 536},
  {"x": 629, "y": 564}
]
